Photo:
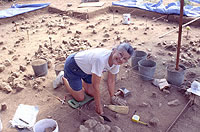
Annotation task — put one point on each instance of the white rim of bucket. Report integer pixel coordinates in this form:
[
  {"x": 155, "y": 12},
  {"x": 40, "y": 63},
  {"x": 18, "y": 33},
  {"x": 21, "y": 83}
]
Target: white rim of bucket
[{"x": 46, "y": 122}]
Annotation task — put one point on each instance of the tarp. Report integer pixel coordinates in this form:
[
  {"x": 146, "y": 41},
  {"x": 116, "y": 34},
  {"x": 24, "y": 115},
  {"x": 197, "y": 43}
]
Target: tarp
[
  {"x": 171, "y": 8},
  {"x": 20, "y": 9}
]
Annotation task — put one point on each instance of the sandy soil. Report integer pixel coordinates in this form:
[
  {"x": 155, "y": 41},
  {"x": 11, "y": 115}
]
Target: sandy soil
[{"x": 40, "y": 34}]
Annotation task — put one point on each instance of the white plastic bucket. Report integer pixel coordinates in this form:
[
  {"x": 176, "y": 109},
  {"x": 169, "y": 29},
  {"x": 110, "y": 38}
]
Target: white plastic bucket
[
  {"x": 1, "y": 126},
  {"x": 41, "y": 125},
  {"x": 126, "y": 19}
]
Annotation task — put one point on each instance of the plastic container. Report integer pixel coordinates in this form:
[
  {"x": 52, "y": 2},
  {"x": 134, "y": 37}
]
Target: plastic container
[
  {"x": 147, "y": 69},
  {"x": 126, "y": 19},
  {"x": 1, "y": 126},
  {"x": 137, "y": 56},
  {"x": 175, "y": 77},
  {"x": 40, "y": 67},
  {"x": 41, "y": 125}
]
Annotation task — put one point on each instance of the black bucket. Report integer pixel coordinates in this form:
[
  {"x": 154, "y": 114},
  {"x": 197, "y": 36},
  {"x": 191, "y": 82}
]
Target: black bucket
[
  {"x": 40, "y": 67},
  {"x": 147, "y": 69},
  {"x": 137, "y": 56},
  {"x": 175, "y": 77}
]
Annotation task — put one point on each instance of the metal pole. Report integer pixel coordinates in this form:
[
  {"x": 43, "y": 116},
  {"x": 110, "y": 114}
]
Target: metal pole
[{"x": 179, "y": 34}]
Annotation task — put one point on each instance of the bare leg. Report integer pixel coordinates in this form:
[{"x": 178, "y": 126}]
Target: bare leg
[
  {"x": 88, "y": 88},
  {"x": 78, "y": 95}
]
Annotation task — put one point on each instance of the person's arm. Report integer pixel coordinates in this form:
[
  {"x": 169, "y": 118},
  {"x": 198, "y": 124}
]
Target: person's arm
[
  {"x": 111, "y": 84},
  {"x": 95, "y": 84}
]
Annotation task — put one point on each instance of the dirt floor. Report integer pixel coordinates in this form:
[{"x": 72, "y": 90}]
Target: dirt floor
[{"x": 40, "y": 34}]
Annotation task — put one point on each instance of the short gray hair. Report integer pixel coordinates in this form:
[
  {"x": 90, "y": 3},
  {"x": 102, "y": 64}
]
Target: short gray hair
[{"x": 127, "y": 47}]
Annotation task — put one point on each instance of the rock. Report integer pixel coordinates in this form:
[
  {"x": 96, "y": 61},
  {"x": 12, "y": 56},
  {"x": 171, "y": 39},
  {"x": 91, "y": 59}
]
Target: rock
[
  {"x": 69, "y": 31},
  {"x": 60, "y": 58},
  {"x": 69, "y": 4},
  {"x": 149, "y": 50},
  {"x": 116, "y": 129},
  {"x": 168, "y": 28},
  {"x": 174, "y": 102},
  {"x": 170, "y": 54},
  {"x": 118, "y": 37},
  {"x": 22, "y": 68},
  {"x": 135, "y": 28},
  {"x": 5, "y": 87},
  {"x": 7, "y": 63},
  {"x": 123, "y": 78},
  {"x": 99, "y": 128},
  {"x": 116, "y": 32},
  {"x": 35, "y": 86},
  {"x": 154, "y": 95},
  {"x": 64, "y": 42},
  {"x": 1, "y": 43},
  {"x": 105, "y": 40},
  {"x": 198, "y": 51},
  {"x": 166, "y": 91},
  {"x": 78, "y": 32},
  {"x": 10, "y": 79},
  {"x": 144, "y": 104},
  {"x": 15, "y": 74},
  {"x": 91, "y": 26},
  {"x": 101, "y": 119},
  {"x": 154, "y": 121},
  {"x": 170, "y": 47},
  {"x": 3, "y": 106},
  {"x": 106, "y": 35},
  {"x": 19, "y": 87},
  {"x": 107, "y": 128},
  {"x": 94, "y": 32},
  {"x": 117, "y": 116},
  {"x": 49, "y": 63},
  {"x": 82, "y": 128},
  {"x": 4, "y": 48},
  {"x": 2, "y": 68},
  {"x": 10, "y": 52},
  {"x": 90, "y": 123},
  {"x": 14, "y": 57}
]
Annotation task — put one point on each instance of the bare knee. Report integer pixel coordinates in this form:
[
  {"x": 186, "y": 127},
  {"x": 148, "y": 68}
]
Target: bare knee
[{"x": 79, "y": 97}]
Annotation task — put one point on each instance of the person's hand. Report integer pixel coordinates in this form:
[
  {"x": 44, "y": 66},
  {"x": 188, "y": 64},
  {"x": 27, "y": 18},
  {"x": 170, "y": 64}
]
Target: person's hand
[{"x": 99, "y": 110}]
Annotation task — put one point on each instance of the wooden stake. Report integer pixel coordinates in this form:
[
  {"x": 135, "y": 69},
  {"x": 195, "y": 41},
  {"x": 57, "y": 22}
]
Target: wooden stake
[
  {"x": 50, "y": 40},
  {"x": 113, "y": 18},
  {"x": 27, "y": 31}
]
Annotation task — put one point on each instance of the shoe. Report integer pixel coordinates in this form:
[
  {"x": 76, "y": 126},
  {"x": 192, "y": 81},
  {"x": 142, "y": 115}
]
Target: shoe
[{"x": 58, "y": 81}]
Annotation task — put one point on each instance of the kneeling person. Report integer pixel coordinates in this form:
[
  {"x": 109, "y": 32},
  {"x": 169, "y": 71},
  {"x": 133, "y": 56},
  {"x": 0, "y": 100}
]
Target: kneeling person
[{"x": 85, "y": 68}]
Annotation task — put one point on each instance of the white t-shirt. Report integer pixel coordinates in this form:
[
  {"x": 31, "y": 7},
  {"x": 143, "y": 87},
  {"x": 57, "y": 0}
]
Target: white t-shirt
[{"x": 95, "y": 61}]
